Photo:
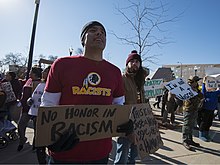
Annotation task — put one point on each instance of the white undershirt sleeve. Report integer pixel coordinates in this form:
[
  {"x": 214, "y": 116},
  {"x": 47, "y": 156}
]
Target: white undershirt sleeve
[
  {"x": 50, "y": 99},
  {"x": 119, "y": 100}
]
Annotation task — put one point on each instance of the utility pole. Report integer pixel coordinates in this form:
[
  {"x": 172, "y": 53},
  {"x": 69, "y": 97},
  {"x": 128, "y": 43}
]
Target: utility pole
[
  {"x": 195, "y": 69},
  {"x": 181, "y": 69},
  {"x": 31, "y": 50}
]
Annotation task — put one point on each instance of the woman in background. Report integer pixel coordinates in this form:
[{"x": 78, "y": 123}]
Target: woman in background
[
  {"x": 29, "y": 87},
  {"x": 34, "y": 103}
]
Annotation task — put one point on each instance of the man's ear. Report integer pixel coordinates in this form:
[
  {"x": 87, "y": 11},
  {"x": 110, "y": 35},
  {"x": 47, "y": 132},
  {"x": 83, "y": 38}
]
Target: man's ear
[{"x": 83, "y": 41}]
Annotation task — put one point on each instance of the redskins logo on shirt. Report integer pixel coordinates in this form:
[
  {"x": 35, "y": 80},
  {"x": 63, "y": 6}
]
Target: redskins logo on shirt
[
  {"x": 94, "y": 78},
  {"x": 91, "y": 86}
]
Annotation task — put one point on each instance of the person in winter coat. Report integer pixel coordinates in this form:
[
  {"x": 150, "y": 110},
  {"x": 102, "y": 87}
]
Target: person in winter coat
[
  {"x": 170, "y": 108},
  {"x": 207, "y": 112},
  {"x": 190, "y": 113},
  {"x": 133, "y": 78}
]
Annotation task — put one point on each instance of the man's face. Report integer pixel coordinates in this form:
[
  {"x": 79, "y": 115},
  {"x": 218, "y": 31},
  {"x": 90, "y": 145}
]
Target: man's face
[
  {"x": 194, "y": 84},
  {"x": 45, "y": 73},
  {"x": 133, "y": 66},
  {"x": 8, "y": 77},
  {"x": 95, "y": 38},
  {"x": 32, "y": 75}
]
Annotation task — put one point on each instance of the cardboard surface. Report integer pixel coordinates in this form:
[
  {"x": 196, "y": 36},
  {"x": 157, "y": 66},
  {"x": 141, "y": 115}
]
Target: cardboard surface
[
  {"x": 181, "y": 89},
  {"x": 99, "y": 121},
  {"x": 7, "y": 88},
  {"x": 89, "y": 121},
  {"x": 213, "y": 81},
  {"x": 153, "y": 88},
  {"x": 146, "y": 128}
]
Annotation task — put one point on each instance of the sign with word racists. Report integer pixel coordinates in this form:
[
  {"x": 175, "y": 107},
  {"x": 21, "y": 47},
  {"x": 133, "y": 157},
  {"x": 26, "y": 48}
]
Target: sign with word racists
[
  {"x": 146, "y": 129},
  {"x": 153, "y": 88},
  {"x": 181, "y": 89},
  {"x": 89, "y": 121},
  {"x": 213, "y": 81}
]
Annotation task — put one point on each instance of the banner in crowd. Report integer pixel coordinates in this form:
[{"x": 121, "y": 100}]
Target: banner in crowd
[
  {"x": 153, "y": 88},
  {"x": 89, "y": 121},
  {"x": 181, "y": 89},
  {"x": 7, "y": 88},
  {"x": 213, "y": 81},
  {"x": 98, "y": 121},
  {"x": 146, "y": 128},
  {"x": 213, "y": 77}
]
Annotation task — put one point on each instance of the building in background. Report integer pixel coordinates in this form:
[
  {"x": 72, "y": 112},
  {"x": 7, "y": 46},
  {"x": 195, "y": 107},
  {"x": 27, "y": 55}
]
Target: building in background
[
  {"x": 186, "y": 70},
  {"x": 170, "y": 72},
  {"x": 163, "y": 73}
]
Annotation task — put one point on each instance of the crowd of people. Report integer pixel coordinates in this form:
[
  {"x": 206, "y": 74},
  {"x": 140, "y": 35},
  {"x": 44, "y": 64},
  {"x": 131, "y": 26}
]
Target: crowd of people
[
  {"x": 53, "y": 86},
  {"x": 198, "y": 111}
]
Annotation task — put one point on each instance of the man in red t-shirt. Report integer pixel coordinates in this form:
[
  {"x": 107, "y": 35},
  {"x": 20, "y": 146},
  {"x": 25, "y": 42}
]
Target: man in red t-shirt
[{"x": 85, "y": 80}]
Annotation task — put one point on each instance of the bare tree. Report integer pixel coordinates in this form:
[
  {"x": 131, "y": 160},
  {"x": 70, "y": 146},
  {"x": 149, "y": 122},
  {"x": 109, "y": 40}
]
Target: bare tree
[
  {"x": 52, "y": 58},
  {"x": 14, "y": 59},
  {"x": 41, "y": 56},
  {"x": 147, "y": 20},
  {"x": 1, "y": 64}
]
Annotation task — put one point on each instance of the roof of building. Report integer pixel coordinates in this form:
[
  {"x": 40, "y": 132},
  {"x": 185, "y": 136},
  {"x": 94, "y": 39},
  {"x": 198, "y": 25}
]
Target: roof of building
[{"x": 163, "y": 73}]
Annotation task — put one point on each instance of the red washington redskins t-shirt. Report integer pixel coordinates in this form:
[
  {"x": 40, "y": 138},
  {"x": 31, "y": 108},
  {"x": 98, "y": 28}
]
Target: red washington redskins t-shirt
[{"x": 82, "y": 81}]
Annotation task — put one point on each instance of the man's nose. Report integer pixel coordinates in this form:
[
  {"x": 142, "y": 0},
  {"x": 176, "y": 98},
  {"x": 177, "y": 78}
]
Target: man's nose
[{"x": 99, "y": 32}]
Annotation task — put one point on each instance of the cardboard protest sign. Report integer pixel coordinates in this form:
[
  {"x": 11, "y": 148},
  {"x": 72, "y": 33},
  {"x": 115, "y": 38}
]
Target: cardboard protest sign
[
  {"x": 181, "y": 89},
  {"x": 7, "y": 88},
  {"x": 213, "y": 81},
  {"x": 89, "y": 121},
  {"x": 153, "y": 88},
  {"x": 213, "y": 77},
  {"x": 146, "y": 128}
]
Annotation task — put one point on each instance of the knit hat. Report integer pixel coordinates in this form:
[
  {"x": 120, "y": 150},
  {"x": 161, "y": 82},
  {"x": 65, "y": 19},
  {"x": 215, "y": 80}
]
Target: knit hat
[
  {"x": 86, "y": 28},
  {"x": 133, "y": 55}
]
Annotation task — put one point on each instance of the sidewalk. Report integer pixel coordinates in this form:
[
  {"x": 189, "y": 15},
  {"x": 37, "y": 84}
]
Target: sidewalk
[
  {"x": 172, "y": 152},
  {"x": 10, "y": 155}
]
